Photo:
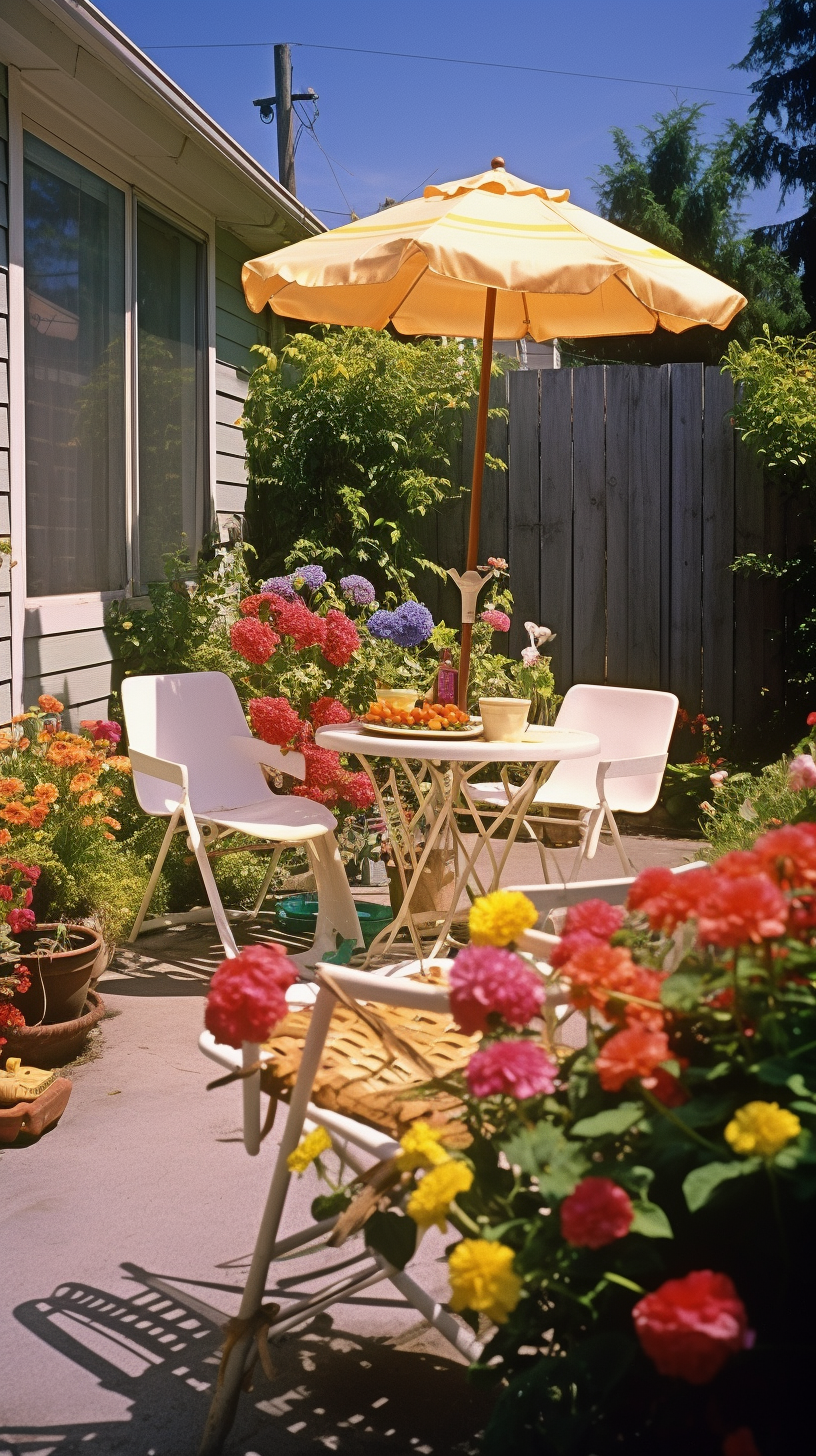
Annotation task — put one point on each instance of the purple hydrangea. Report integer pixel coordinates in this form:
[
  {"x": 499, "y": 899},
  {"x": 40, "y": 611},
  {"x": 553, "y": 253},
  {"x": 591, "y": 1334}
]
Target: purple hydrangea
[
  {"x": 357, "y": 589},
  {"x": 282, "y": 585},
  {"x": 409, "y": 625},
  {"x": 312, "y": 577},
  {"x": 380, "y": 624}
]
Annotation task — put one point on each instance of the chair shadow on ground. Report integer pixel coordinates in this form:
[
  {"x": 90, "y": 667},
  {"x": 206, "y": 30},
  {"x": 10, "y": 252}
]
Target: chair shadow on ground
[
  {"x": 332, "y": 1390},
  {"x": 181, "y": 961}
]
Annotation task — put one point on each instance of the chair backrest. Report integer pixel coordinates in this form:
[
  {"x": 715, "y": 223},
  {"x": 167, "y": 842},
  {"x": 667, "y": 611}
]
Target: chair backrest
[
  {"x": 630, "y": 723},
  {"x": 189, "y": 718}
]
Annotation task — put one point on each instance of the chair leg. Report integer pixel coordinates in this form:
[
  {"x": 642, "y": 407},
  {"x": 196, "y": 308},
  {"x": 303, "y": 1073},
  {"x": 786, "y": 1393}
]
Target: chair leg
[
  {"x": 335, "y": 907},
  {"x": 268, "y": 877},
  {"x": 221, "y": 921},
  {"x": 628, "y": 867},
  {"x": 586, "y": 848},
  {"x": 153, "y": 881}
]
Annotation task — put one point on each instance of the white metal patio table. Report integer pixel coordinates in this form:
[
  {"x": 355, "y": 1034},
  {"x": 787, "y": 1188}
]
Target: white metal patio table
[{"x": 440, "y": 773}]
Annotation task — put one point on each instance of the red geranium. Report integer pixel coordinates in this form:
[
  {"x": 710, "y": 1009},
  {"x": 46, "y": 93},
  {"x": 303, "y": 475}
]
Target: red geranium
[
  {"x": 690, "y": 1326},
  {"x": 788, "y": 855},
  {"x": 634, "y": 1052},
  {"x": 357, "y": 790},
  {"x": 273, "y": 719},
  {"x": 253, "y": 639},
  {"x": 18, "y": 920},
  {"x": 341, "y": 638},
  {"x": 247, "y": 994},
  {"x": 328, "y": 710},
  {"x": 741, "y": 910},
  {"x": 596, "y": 916},
  {"x": 595, "y": 1213},
  {"x": 668, "y": 900},
  {"x": 667, "y": 1088},
  {"x": 569, "y": 946},
  {"x": 599, "y": 973}
]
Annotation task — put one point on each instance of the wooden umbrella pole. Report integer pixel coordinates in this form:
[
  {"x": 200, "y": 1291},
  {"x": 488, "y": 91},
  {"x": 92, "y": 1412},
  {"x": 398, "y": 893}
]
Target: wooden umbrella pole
[{"x": 476, "y": 487}]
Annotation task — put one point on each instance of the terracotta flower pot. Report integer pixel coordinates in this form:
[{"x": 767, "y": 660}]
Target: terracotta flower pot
[
  {"x": 53, "y": 1046},
  {"x": 59, "y": 982}
]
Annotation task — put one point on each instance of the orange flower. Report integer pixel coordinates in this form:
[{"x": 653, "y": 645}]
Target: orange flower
[
  {"x": 106, "y": 819},
  {"x": 23, "y": 743},
  {"x": 5, "y": 837},
  {"x": 93, "y": 762},
  {"x": 11, "y": 788},
  {"x": 6, "y": 742},
  {"x": 87, "y": 821},
  {"x": 119, "y": 793},
  {"x": 80, "y": 782},
  {"x": 38, "y": 815},
  {"x": 21, "y": 718},
  {"x": 107, "y": 835},
  {"x": 91, "y": 796},
  {"x": 16, "y": 814},
  {"x": 46, "y": 793},
  {"x": 119, "y": 762},
  {"x": 65, "y": 755},
  {"x": 49, "y": 704}
]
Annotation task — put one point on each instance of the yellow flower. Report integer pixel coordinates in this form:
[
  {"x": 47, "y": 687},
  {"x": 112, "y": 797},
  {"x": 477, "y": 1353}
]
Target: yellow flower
[
  {"x": 762, "y": 1127},
  {"x": 420, "y": 1148},
  {"x": 309, "y": 1148},
  {"x": 433, "y": 1195},
  {"x": 500, "y": 918},
  {"x": 481, "y": 1278}
]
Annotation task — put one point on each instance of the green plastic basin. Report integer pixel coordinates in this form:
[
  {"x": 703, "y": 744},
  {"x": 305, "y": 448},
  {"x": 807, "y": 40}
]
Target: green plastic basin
[{"x": 298, "y": 915}]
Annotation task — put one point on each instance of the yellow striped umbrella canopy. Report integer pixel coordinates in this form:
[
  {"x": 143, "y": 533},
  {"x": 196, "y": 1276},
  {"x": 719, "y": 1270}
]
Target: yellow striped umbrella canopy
[{"x": 425, "y": 266}]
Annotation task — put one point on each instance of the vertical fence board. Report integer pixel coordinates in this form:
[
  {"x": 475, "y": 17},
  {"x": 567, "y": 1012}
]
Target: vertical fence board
[
  {"x": 718, "y": 546},
  {"x": 749, "y": 623},
  {"x": 686, "y": 537},
  {"x": 646, "y": 433},
  {"x": 554, "y": 606},
  {"x": 665, "y": 526},
  {"x": 618, "y": 487},
  {"x": 589, "y": 527},
  {"x": 524, "y": 503},
  {"x": 776, "y": 540}
]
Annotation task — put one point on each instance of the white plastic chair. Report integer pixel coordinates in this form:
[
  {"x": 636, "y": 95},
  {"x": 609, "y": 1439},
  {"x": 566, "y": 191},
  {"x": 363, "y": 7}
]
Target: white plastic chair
[
  {"x": 196, "y": 762},
  {"x": 634, "y": 726},
  {"x": 356, "y": 1143}
]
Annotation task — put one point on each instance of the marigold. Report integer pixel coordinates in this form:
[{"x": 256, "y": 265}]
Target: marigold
[
  {"x": 431, "y": 1199},
  {"x": 739, "y": 910},
  {"x": 633, "y": 1052},
  {"x": 120, "y": 762},
  {"x": 91, "y": 796},
  {"x": 46, "y": 793},
  {"x": 49, "y": 704},
  {"x": 86, "y": 821},
  {"x": 37, "y": 815},
  {"x": 80, "y": 782},
  {"x": 65, "y": 755},
  {"x": 421, "y": 1148},
  {"x": 763, "y": 1128},
  {"x": 5, "y": 837},
  {"x": 6, "y": 742},
  {"x": 488, "y": 984},
  {"x": 112, "y": 823},
  {"x": 309, "y": 1148},
  {"x": 11, "y": 788},
  {"x": 595, "y": 1213},
  {"x": 501, "y": 917},
  {"x": 482, "y": 1279},
  {"x": 16, "y": 813},
  {"x": 690, "y": 1326},
  {"x": 253, "y": 640}
]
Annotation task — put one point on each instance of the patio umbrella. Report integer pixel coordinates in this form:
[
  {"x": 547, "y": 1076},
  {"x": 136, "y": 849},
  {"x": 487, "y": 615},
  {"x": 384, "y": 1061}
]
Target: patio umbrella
[{"x": 490, "y": 256}]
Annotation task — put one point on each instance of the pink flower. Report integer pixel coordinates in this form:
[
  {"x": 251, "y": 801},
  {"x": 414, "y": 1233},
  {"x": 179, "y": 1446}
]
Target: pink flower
[
  {"x": 736, "y": 911},
  {"x": 247, "y": 995},
  {"x": 328, "y": 710},
  {"x": 322, "y": 766},
  {"x": 253, "y": 640},
  {"x": 517, "y": 1069},
  {"x": 497, "y": 562},
  {"x": 305, "y": 628},
  {"x": 18, "y": 920},
  {"x": 719, "y": 777},
  {"x": 499, "y": 621},
  {"x": 570, "y": 945},
  {"x": 530, "y": 656},
  {"x": 811, "y": 719},
  {"x": 357, "y": 790},
  {"x": 595, "y": 1213},
  {"x": 251, "y": 606},
  {"x": 342, "y": 638},
  {"x": 487, "y": 981},
  {"x": 327, "y": 797},
  {"x": 273, "y": 719},
  {"x": 596, "y": 916},
  {"x": 802, "y": 772},
  {"x": 102, "y": 728},
  {"x": 690, "y": 1326}
]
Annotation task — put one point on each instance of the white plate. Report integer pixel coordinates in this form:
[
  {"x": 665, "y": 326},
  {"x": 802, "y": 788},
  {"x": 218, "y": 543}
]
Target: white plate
[{"x": 381, "y": 730}]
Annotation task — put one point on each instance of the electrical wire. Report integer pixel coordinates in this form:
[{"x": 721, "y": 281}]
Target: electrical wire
[
  {"x": 309, "y": 125},
  {"x": 446, "y": 61}
]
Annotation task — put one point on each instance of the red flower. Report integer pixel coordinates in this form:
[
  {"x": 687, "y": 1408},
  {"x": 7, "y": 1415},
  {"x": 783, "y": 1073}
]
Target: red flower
[
  {"x": 739, "y": 864},
  {"x": 328, "y": 710},
  {"x": 740, "y": 1443},
  {"x": 668, "y": 900},
  {"x": 669, "y": 1089},
  {"x": 304, "y": 627},
  {"x": 595, "y": 1213},
  {"x": 788, "y": 855},
  {"x": 10, "y": 1016},
  {"x": 357, "y": 790},
  {"x": 322, "y": 766},
  {"x": 254, "y": 640},
  {"x": 598, "y": 972},
  {"x": 251, "y": 606},
  {"x": 486, "y": 981},
  {"x": 18, "y": 920},
  {"x": 596, "y": 916},
  {"x": 633, "y": 1052},
  {"x": 342, "y": 638},
  {"x": 690, "y": 1326},
  {"x": 570, "y": 945},
  {"x": 273, "y": 719},
  {"x": 328, "y": 797},
  {"x": 247, "y": 994},
  {"x": 811, "y": 719},
  {"x": 517, "y": 1069},
  {"x": 6, "y": 892},
  {"x": 736, "y": 911}
]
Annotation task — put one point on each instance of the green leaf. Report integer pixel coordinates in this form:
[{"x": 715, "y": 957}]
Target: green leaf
[
  {"x": 545, "y": 1153},
  {"x": 650, "y": 1220},
  {"x": 326, "y": 1205},
  {"x": 392, "y": 1235},
  {"x": 681, "y": 992},
  {"x": 699, "y": 1185},
  {"x": 605, "y": 1124}
]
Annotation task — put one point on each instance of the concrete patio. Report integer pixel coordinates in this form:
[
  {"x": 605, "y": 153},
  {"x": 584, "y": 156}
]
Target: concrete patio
[{"x": 127, "y": 1230}]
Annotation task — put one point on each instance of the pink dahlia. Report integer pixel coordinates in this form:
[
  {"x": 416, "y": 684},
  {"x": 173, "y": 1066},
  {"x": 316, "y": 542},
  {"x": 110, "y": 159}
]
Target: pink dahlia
[
  {"x": 342, "y": 638},
  {"x": 736, "y": 911},
  {"x": 489, "y": 982},
  {"x": 253, "y": 639},
  {"x": 498, "y": 621},
  {"x": 247, "y": 995},
  {"x": 273, "y": 719},
  {"x": 595, "y": 1213},
  {"x": 329, "y": 710},
  {"x": 517, "y": 1069}
]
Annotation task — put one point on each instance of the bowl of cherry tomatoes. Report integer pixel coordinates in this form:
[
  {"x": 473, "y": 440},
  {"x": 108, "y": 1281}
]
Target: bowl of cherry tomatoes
[{"x": 431, "y": 720}]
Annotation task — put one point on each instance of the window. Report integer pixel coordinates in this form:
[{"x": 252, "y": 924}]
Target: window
[
  {"x": 170, "y": 389},
  {"x": 75, "y": 376}
]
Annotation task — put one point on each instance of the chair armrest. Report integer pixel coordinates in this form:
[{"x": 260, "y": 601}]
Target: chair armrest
[
  {"x": 158, "y": 768},
  {"x": 626, "y": 768},
  {"x": 280, "y": 760}
]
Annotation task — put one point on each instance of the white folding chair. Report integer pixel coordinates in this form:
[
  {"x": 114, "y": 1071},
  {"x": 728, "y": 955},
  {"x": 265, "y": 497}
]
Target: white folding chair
[
  {"x": 196, "y": 763},
  {"x": 357, "y": 1144},
  {"x": 634, "y": 726}
]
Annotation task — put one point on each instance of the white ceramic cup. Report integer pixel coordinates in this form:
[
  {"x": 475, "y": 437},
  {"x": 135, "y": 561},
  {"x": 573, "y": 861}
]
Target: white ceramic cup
[{"x": 504, "y": 719}]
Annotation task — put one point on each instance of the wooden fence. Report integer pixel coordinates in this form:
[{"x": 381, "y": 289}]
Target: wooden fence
[{"x": 627, "y": 497}]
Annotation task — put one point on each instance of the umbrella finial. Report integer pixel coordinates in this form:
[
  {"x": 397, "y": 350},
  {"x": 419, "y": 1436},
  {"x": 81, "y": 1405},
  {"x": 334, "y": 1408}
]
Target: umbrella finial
[{"x": 497, "y": 162}]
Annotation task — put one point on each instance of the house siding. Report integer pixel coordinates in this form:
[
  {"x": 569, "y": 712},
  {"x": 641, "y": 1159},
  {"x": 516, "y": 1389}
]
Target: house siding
[{"x": 5, "y": 568}]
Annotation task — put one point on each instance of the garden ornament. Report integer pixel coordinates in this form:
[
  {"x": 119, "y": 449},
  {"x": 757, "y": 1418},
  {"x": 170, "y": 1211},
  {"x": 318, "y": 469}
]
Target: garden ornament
[
  {"x": 469, "y": 585},
  {"x": 22, "y": 1084}
]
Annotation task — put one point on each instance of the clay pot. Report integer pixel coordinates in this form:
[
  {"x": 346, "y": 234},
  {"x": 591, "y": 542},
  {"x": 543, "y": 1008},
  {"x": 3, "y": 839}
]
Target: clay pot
[
  {"x": 53, "y": 1046},
  {"x": 59, "y": 982},
  {"x": 504, "y": 720}
]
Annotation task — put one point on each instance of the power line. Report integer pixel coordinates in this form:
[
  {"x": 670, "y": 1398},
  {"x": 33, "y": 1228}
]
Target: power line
[{"x": 447, "y": 61}]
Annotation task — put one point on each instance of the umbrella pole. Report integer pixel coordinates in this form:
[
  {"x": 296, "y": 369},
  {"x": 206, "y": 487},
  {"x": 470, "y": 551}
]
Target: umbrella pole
[{"x": 476, "y": 487}]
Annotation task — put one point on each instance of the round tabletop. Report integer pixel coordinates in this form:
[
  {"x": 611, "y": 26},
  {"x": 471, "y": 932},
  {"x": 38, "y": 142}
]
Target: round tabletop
[{"x": 539, "y": 745}]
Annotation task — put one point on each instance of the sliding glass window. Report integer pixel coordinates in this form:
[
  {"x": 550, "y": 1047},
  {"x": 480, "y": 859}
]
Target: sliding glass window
[
  {"x": 75, "y": 376},
  {"x": 171, "y": 393}
]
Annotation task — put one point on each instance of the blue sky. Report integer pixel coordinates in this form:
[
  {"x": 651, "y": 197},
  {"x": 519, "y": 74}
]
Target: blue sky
[{"x": 388, "y": 123}]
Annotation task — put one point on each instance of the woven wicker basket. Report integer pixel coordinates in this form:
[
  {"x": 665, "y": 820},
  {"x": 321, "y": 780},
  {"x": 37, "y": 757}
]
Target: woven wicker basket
[{"x": 359, "y": 1077}]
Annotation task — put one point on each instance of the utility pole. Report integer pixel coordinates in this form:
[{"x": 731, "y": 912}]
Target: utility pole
[{"x": 286, "y": 140}]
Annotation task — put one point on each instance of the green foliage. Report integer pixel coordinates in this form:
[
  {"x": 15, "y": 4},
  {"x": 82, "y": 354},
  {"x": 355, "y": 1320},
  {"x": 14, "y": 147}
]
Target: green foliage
[
  {"x": 748, "y": 804},
  {"x": 684, "y": 195},
  {"x": 348, "y": 441},
  {"x": 777, "y": 408}
]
